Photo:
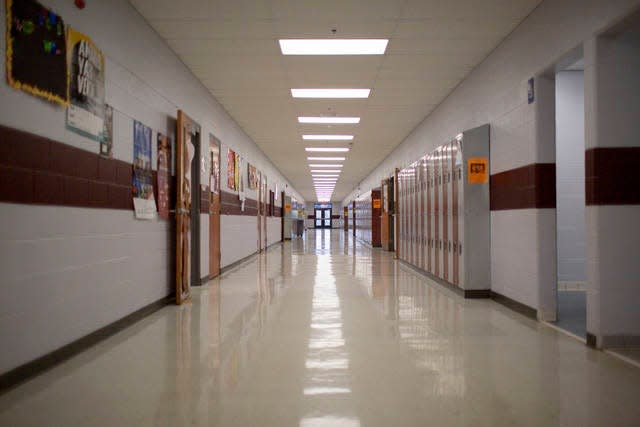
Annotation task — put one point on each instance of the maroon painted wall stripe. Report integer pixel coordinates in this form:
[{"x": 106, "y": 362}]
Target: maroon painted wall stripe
[
  {"x": 34, "y": 169},
  {"x": 612, "y": 176},
  {"x": 527, "y": 187}
]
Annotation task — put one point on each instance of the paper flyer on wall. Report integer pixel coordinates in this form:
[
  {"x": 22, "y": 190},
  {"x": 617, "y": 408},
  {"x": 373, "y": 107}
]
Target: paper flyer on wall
[
  {"x": 241, "y": 193},
  {"x": 86, "y": 110},
  {"x": 231, "y": 169},
  {"x": 143, "y": 199}
]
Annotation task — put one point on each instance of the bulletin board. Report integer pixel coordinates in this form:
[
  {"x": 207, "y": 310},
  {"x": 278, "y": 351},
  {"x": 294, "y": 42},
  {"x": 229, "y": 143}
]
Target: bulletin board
[{"x": 36, "y": 50}]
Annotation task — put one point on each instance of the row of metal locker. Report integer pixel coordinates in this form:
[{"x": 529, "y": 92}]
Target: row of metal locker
[
  {"x": 430, "y": 199},
  {"x": 443, "y": 216}
]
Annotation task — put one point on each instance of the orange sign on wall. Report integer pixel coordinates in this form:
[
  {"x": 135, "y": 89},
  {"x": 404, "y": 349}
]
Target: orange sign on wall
[
  {"x": 478, "y": 170},
  {"x": 376, "y": 203},
  {"x": 287, "y": 207}
]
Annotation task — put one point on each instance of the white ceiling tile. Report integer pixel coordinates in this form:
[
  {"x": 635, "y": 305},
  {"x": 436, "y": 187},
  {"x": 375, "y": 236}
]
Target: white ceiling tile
[{"x": 231, "y": 46}]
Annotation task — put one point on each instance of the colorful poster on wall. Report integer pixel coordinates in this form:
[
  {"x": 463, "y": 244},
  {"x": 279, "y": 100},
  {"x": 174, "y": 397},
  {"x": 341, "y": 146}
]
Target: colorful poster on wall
[
  {"x": 164, "y": 160},
  {"x": 231, "y": 169},
  {"x": 106, "y": 145},
  {"x": 236, "y": 176},
  {"x": 143, "y": 199},
  {"x": 86, "y": 110},
  {"x": 214, "y": 146},
  {"x": 253, "y": 176},
  {"x": 36, "y": 50}
]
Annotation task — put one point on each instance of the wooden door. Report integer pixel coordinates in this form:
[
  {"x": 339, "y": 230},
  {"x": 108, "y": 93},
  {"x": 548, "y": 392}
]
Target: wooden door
[
  {"x": 282, "y": 217},
  {"x": 214, "y": 207},
  {"x": 345, "y": 215},
  {"x": 187, "y": 130}
]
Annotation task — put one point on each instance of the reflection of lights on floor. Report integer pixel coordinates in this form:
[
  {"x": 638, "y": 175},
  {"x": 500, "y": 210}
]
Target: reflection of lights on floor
[
  {"x": 327, "y": 361},
  {"x": 329, "y": 421},
  {"x": 309, "y": 391}
]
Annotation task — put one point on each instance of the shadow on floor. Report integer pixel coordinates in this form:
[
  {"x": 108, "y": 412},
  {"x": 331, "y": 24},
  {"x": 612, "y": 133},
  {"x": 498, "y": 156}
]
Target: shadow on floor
[{"x": 572, "y": 312}]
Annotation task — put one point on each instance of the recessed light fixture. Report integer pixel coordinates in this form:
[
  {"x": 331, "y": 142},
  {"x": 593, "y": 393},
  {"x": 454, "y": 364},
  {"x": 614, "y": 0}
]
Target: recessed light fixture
[
  {"x": 333, "y": 46},
  {"x": 330, "y": 120},
  {"x": 327, "y": 137},
  {"x": 326, "y": 170},
  {"x": 326, "y": 149},
  {"x": 329, "y": 159},
  {"x": 330, "y": 93},
  {"x": 316, "y": 165}
]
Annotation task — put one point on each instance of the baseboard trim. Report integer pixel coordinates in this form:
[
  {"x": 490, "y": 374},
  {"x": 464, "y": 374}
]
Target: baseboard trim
[
  {"x": 465, "y": 293},
  {"x": 235, "y": 264},
  {"x": 44, "y": 363},
  {"x": 477, "y": 293},
  {"x": 514, "y": 305},
  {"x": 592, "y": 340},
  {"x": 620, "y": 341}
]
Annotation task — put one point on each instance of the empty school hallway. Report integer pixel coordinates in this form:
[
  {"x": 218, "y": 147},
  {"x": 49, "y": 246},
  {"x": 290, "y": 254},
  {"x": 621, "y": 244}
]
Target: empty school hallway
[{"x": 326, "y": 331}]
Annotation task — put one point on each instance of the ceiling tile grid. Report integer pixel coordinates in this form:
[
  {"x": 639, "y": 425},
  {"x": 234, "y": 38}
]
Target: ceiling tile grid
[{"x": 232, "y": 47}]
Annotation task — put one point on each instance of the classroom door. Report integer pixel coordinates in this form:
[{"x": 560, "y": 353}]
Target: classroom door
[{"x": 188, "y": 134}]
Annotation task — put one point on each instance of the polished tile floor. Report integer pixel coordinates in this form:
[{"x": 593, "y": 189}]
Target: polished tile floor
[{"x": 326, "y": 332}]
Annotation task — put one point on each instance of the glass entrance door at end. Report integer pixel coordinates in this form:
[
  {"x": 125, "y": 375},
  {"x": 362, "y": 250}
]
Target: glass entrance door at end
[{"x": 322, "y": 218}]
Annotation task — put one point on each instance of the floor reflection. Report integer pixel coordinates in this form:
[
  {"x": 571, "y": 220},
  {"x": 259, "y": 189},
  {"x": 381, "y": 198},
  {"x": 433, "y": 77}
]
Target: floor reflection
[{"x": 323, "y": 331}]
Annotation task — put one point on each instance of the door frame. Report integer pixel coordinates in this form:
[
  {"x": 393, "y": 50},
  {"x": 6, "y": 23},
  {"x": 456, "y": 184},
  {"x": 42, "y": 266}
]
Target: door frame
[
  {"x": 215, "y": 225},
  {"x": 185, "y": 213}
]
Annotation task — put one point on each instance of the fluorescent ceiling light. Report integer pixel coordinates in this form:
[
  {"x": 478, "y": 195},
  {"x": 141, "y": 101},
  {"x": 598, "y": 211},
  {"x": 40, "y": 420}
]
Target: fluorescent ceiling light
[
  {"x": 330, "y": 159},
  {"x": 330, "y": 93},
  {"x": 326, "y": 170},
  {"x": 315, "y": 165},
  {"x": 333, "y": 46},
  {"x": 325, "y": 175},
  {"x": 326, "y": 149},
  {"x": 329, "y": 120},
  {"x": 327, "y": 137}
]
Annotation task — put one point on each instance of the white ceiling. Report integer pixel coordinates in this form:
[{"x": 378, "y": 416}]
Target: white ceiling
[{"x": 232, "y": 47}]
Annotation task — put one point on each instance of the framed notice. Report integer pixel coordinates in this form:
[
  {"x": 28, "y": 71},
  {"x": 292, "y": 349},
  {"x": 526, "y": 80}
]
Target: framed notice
[
  {"x": 231, "y": 169},
  {"x": 36, "y": 50},
  {"x": 86, "y": 110}
]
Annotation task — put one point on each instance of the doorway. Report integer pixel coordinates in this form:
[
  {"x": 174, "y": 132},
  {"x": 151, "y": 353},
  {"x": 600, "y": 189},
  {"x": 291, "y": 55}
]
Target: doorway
[
  {"x": 187, "y": 207},
  {"x": 322, "y": 215},
  {"x": 570, "y": 198}
]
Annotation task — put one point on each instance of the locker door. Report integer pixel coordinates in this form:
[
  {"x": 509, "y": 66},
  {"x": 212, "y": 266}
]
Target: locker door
[
  {"x": 455, "y": 278},
  {"x": 436, "y": 212},
  {"x": 400, "y": 215},
  {"x": 423, "y": 214},
  {"x": 445, "y": 212},
  {"x": 416, "y": 198},
  {"x": 412, "y": 216},
  {"x": 461, "y": 215},
  {"x": 429, "y": 213}
]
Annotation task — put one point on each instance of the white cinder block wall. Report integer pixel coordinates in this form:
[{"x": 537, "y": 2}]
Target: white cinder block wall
[
  {"x": 570, "y": 176},
  {"x": 69, "y": 271},
  {"x": 495, "y": 92},
  {"x": 612, "y": 97}
]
